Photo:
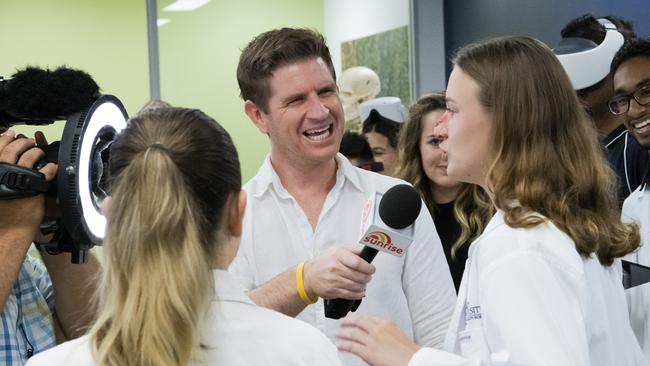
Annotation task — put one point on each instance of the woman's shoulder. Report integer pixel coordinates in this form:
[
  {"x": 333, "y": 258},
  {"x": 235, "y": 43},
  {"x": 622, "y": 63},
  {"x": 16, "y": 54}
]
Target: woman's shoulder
[
  {"x": 544, "y": 241},
  {"x": 295, "y": 330},
  {"x": 243, "y": 328},
  {"x": 634, "y": 204},
  {"x": 74, "y": 352}
]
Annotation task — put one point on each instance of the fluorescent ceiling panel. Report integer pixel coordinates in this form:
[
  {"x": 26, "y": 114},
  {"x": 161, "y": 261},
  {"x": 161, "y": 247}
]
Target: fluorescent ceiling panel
[{"x": 185, "y": 5}]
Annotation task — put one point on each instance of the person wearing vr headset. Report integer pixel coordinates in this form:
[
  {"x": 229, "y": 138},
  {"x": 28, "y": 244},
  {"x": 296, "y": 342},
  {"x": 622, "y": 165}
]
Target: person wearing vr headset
[
  {"x": 42, "y": 305},
  {"x": 586, "y": 50},
  {"x": 305, "y": 204},
  {"x": 382, "y": 119},
  {"x": 631, "y": 100}
]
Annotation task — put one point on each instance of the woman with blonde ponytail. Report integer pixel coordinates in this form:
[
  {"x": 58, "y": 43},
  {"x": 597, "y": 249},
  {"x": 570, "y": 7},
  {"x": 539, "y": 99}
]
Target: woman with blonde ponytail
[{"x": 174, "y": 221}]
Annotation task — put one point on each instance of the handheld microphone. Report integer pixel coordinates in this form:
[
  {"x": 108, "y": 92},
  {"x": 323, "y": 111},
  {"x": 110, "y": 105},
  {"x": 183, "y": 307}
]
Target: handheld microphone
[{"x": 386, "y": 225}]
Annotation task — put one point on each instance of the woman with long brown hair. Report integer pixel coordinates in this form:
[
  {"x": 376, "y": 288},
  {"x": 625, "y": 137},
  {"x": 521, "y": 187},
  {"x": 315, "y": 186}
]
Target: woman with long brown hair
[
  {"x": 542, "y": 285},
  {"x": 460, "y": 210},
  {"x": 174, "y": 221}
]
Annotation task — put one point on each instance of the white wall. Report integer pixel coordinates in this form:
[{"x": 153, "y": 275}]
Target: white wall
[{"x": 346, "y": 20}]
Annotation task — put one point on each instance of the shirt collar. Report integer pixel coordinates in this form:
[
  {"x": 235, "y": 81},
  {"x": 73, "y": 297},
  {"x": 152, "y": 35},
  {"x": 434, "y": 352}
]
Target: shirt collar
[
  {"x": 617, "y": 133},
  {"x": 228, "y": 289},
  {"x": 349, "y": 171},
  {"x": 496, "y": 221},
  {"x": 267, "y": 177},
  {"x": 263, "y": 179}
]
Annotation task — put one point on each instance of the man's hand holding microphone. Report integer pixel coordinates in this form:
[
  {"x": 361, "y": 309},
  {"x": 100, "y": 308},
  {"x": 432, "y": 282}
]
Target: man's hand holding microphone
[{"x": 341, "y": 274}]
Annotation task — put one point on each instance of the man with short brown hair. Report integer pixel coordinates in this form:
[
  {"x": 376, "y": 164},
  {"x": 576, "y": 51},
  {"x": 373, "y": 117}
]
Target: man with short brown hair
[{"x": 304, "y": 206}]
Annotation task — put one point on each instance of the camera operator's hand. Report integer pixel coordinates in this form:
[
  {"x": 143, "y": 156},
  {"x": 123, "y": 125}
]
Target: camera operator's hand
[
  {"x": 20, "y": 218},
  {"x": 23, "y": 216}
]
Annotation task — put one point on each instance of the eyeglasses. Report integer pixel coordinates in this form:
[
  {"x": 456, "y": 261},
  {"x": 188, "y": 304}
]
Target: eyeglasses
[{"x": 620, "y": 104}]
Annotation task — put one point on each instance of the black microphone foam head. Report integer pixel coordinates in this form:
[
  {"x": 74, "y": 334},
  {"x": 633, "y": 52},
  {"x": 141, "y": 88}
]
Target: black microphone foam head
[
  {"x": 37, "y": 93},
  {"x": 400, "y": 206}
]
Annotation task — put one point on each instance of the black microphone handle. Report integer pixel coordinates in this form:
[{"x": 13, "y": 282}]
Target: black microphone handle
[
  {"x": 338, "y": 308},
  {"x": 368, "y": 254}
]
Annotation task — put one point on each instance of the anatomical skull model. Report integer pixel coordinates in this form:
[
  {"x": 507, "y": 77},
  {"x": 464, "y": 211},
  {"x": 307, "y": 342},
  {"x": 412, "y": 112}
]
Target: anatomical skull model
[{"x": 357, "y": 85}]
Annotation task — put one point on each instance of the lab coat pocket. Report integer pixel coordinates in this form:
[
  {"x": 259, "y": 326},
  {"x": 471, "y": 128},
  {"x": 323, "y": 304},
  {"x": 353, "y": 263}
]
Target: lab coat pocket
[{"x": 473, "y": 345}]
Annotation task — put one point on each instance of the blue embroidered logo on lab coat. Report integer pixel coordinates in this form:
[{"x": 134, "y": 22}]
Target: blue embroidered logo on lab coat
[{"x": 472, "y": 312}]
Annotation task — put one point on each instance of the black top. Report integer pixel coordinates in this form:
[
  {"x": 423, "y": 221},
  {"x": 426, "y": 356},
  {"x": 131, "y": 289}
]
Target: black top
[
  {"x": 449, "y": 230},
  {"x": 634, "y": 156}
]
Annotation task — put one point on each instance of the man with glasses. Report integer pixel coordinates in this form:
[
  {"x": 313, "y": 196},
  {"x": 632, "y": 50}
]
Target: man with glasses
[
  {"x": 587, "y": 48},
  {"x": 631, "y": 70}
]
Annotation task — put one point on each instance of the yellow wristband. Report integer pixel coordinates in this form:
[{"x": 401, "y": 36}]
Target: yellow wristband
[{"x": 300, "y": 285}]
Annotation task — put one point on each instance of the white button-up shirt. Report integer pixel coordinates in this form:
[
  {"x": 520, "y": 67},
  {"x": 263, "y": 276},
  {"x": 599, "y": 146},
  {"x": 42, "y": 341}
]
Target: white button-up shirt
[
  {"x": 529, "y": 298},
  {"x": 637, "y": 209},
  {"x": 415, "y": 291},
  {"x": 236, "y": 333}
]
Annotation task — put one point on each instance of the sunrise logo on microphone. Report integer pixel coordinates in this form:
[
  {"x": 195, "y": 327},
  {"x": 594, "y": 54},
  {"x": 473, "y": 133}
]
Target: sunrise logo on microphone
[{"x": 381, "y": 240}]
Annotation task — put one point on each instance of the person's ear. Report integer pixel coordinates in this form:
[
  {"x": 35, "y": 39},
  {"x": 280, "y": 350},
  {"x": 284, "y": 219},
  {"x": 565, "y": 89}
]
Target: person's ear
[
  {"x": 256, "y": 115},
  {"x": 236, "y": 214},
  {"x": 105, "y": 207}
]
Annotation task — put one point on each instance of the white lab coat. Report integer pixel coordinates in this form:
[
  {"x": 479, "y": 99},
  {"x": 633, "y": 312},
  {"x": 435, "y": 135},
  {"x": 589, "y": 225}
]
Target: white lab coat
[
  {"x": 236, "y": 332},
  {"x": 637, "y": 209},
  {"x": 528, "y": 298}
]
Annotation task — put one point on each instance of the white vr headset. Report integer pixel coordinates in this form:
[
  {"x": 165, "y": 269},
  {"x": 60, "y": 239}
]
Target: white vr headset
[
  {"x": 388, "y": 107},
  {"x": 585, "y": 62}
]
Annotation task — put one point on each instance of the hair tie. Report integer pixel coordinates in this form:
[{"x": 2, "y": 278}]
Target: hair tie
[{"x": 158, "y": 145}]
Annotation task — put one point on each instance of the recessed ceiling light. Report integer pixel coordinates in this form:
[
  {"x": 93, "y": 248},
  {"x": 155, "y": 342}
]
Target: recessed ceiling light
[{"x": 163, "y": 21}]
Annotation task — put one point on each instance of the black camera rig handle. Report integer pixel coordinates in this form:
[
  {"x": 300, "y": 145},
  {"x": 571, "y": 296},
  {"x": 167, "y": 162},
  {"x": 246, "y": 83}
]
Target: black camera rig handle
[
  {"x": 19, "y": 182},
  {"x": 62, "y": 242}
]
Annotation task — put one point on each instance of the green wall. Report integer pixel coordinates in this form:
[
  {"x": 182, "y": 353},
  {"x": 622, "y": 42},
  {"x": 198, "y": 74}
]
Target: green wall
[
  {"x": 199, "y": 51},
  {"x": 107, "y": 39}
]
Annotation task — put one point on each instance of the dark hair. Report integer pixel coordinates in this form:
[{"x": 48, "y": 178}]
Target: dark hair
[
  {"x": 409, "y": 154},
  {"x": 274, "y": 49},
  {"x": 384, "y": 126},
  {"x": 587, "y": 26},
  {"x": 633, "y": 48},
  {"x": 355, "y": 146},
  {"x": 472, "y": 206},
  {"x": 426, "y": 103}
]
